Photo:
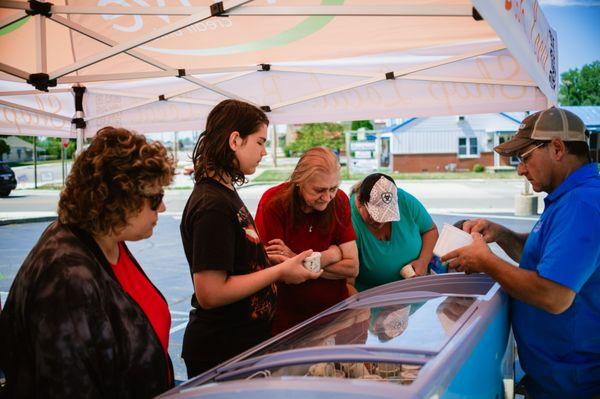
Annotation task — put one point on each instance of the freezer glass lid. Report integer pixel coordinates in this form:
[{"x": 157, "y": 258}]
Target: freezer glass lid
[{"x": 424, "y": 326}]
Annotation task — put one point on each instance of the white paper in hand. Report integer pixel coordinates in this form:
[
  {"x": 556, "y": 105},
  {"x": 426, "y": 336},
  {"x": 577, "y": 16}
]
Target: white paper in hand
[{"x": 451, "y": 238}]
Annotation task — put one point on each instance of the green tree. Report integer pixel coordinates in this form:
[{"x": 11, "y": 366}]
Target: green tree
[
  {"x": 360, "y": 124},
  {"x": 53, "y": 148},
  {"x": 330, "y": 135},
  {"x": 71, "y": 149},
  {"x": 580, "y": 87},
  {"x": 4, "y": 149}
]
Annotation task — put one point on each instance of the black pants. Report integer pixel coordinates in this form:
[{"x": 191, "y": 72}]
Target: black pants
[{"x": 197, "y": 367}]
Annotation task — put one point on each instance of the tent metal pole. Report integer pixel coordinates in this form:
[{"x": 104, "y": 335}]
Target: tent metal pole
[
  {"x": 30, "y": 92},
  {"x": 117, "y": 76},
  {"x": 401, "y": 73},
  {"x": 17, "y": 5},
  {"x": 450, "y": 60},
  {"x": 114, "y": 10},
  {"x": 19, "y": 73},
  {"x": 116, "y": 111},
  {"x": 324, "y": 93},
  {"x": 166, "y": 73},
  {"x": 139, "y": 56},
  {"x": 79, "y": 121},
  {"x": 194, "y": 101},
  {"x": 34, "y": 111},
  {"x": 152, "y": 97},
  {"x": 410, "y": 10},
  {"x": 41, "y": 56},
  {"x": 12, "y": 19},
  {"x": 122, "y": 47},
  {"x": 502, "y": 82},
  {"x": 323, "y": 71},
  {"x": 80, "y": 137},
  {"x": 215, "y": 89},
  {"x": 122, "y": 93}
]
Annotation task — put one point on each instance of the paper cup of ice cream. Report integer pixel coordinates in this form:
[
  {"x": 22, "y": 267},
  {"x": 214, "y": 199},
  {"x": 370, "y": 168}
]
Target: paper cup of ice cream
[{"x": 313, "y": 262}]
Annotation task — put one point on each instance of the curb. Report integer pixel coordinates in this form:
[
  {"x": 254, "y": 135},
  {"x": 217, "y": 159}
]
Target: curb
[{"x": 5, "y": 222}]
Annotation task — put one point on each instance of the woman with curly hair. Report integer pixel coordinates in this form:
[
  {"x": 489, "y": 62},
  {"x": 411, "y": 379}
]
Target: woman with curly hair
[
  {"x": 82, "y": 319},
  {"x": 234, "y": 292}
]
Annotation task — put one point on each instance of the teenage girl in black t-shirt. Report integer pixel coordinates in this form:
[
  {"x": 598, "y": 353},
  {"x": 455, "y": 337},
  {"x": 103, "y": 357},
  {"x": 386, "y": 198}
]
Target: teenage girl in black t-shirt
[{"x": 234, "y": 294}]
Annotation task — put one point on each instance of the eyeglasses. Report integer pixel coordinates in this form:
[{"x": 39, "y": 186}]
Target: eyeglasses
[
  {"x": 155, "y": 200},
  {"x": 522, "y": 158}
]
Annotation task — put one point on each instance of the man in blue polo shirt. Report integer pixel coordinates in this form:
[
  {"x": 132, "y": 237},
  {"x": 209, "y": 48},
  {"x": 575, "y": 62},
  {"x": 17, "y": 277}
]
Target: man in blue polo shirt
[{"x": 556, "y": 288}]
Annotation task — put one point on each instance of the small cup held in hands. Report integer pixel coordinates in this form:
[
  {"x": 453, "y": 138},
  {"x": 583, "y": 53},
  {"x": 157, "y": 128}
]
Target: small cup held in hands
[
  {"x": 313, "y": 262},
  {"x": 407, "y": 271}
]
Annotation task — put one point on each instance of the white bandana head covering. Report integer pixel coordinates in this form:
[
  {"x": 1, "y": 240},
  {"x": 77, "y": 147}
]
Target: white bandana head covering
[{"x": 383, "y": 202}]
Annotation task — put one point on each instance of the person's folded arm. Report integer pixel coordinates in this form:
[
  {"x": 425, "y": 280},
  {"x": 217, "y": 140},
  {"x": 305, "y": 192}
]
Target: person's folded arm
[{"x": 344, "y": 265}]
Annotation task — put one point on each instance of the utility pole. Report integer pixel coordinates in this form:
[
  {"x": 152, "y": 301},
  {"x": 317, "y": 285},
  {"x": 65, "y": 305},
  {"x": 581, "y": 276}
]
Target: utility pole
[{"x": 34, "y": 162}]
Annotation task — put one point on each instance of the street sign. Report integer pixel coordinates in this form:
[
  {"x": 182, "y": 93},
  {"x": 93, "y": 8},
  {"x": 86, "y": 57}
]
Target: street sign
[
  {"x": 65, "y": 142},
  {"x": 363, "y": 154},
  {"x": 362, "y": 145}
]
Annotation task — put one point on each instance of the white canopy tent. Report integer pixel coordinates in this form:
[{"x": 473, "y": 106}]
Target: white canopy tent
[{"x": 161, "y": 65}]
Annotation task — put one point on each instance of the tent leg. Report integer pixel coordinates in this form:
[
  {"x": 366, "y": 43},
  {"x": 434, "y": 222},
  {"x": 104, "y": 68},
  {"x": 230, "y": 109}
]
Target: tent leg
[
  {"x": 80, "y": 137},
  {"x": 79, "y": 122}
]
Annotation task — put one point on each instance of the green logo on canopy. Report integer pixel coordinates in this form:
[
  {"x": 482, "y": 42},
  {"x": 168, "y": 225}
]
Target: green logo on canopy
[{"x": 305, "y": 28}]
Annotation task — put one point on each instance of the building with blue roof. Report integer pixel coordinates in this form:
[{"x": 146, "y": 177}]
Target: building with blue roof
[{"x": 448, "y": 143}]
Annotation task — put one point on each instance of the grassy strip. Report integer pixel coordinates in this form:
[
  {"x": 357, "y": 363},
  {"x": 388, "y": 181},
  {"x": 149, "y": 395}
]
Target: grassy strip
[{"x": 278, "y": 175}]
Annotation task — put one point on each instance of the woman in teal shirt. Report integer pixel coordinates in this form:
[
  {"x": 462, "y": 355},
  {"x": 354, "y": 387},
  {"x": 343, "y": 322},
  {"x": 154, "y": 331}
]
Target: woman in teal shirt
[{"x": 393, "y": 229}]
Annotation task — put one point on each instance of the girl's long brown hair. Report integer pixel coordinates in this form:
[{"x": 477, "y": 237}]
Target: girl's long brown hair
[{"x": 212, "y": 154}]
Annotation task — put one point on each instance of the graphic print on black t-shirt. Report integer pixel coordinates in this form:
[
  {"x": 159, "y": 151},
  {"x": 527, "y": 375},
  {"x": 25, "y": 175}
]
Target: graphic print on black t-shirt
[
  {"x": 218, "y": 233},
  {"x": 262, "y": 302}
]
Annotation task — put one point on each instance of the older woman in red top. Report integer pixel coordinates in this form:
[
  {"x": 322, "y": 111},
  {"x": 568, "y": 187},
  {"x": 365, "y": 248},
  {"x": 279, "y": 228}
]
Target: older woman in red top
[{"x": 309, "y": 212}]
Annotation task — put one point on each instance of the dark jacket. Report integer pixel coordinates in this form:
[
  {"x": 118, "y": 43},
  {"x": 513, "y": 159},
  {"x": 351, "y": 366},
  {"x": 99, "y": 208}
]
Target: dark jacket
[{"x": 68, "y": 329}]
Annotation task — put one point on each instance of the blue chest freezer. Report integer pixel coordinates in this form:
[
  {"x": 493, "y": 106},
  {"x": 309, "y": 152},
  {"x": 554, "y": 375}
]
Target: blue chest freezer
[{"x": 439, "y": 336}]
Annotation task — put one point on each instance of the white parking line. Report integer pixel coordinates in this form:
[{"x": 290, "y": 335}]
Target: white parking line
[{"x": 178, "y": 327}]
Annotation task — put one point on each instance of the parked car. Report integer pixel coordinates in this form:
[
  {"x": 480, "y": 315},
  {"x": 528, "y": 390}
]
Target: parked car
[
  {"x": 438, "y": 336},
  {"x": 8, "y": 182}
]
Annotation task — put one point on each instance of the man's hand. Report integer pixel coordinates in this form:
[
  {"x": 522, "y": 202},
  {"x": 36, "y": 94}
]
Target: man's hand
[
  {"x": 472, "y": 258},
  {"x": 277, "y": 247},
  {"x": 490, "y": 231}
]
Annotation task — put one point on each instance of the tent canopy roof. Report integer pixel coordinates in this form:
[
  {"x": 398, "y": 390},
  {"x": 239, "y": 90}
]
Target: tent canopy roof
[{"x": 163, "y": 66}]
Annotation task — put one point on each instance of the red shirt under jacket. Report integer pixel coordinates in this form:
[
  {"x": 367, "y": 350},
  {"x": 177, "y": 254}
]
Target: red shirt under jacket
[{"x": 139, "y": 287}]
